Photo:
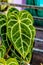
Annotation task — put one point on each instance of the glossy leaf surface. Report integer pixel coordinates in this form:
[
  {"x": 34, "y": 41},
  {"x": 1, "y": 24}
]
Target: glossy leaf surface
[{"x": 19, "y": 32}]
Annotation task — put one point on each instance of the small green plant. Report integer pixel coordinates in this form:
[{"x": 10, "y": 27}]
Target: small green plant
[{"x": 19, "y": 33}]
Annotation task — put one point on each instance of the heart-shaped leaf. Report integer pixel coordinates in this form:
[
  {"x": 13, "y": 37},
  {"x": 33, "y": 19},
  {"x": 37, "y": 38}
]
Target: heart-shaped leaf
[{"x": 18, "y": 30}]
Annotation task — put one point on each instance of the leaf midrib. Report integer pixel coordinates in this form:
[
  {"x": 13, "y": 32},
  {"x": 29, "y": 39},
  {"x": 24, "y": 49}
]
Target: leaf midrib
[{"x": 19, "y": 21}]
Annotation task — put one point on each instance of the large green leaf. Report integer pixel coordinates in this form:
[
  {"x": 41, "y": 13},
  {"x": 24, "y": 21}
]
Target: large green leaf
[
  {"x": 19, "y": 32},
  {"x": 29, "y": 56}
]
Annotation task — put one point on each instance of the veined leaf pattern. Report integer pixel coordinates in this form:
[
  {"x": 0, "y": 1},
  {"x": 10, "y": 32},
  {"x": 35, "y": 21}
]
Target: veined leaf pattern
[
  {"x": 12, "y": 61},
  {"x": 29, "y": 55},
  {"x": 3, "y": 29},
  {"x": 2, "y": 23},
  {"x": 18, "y": 30},
  {"x": 2, "y": 51}
]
